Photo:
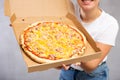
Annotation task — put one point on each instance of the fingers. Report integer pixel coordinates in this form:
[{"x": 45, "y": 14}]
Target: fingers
[
  {"x": 66, "y": 67},
  {"x": 77, "y": 64}
]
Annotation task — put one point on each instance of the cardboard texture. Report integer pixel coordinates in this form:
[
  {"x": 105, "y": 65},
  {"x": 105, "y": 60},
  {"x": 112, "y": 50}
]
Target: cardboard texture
[{"x": 24, "y": 12}]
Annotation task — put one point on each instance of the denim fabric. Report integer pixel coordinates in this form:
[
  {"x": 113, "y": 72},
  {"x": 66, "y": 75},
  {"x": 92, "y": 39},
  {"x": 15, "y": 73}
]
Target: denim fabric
[
  {"x": 101, "y": 73},
  {"x": 67, "y": 74}
]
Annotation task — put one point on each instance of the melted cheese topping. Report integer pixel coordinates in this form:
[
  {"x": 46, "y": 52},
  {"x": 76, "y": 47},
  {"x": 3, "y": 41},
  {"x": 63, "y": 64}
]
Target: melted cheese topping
[{"x": 53, "y": 40}]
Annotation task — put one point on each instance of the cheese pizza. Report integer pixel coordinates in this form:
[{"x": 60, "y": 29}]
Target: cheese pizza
[{"x": 46, "y": 42}]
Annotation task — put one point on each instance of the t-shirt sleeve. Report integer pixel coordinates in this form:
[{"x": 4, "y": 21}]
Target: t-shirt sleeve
[{"x": 108, "y": 36}]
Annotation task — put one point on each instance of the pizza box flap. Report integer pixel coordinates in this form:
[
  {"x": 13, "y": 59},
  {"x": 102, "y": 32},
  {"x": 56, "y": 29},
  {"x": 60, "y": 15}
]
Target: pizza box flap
[
  {"x": 24, "y": 12},
  {"x": 36, "y": 8}
]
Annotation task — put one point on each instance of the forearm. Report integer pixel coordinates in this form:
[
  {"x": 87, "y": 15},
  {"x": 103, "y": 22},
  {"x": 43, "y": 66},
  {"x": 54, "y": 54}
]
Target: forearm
[
  {"x": 93, "y": 64},
  {"x": 90, "y": 65}
]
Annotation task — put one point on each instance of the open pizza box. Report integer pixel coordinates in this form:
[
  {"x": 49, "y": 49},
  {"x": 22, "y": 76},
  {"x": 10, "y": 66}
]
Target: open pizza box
[{"x": 25, "y": 12}]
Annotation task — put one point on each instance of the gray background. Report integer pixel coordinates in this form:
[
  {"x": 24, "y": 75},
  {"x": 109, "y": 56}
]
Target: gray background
[{"x": 12, "y": 66}]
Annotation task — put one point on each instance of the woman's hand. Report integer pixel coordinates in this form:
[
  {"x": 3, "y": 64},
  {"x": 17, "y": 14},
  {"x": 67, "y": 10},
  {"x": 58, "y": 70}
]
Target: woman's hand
[
  {"x": 66, "y": 67},
  {"x": 63, "y": 66}
]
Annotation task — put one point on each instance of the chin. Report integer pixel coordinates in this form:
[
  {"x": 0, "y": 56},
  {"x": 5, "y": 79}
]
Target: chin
[{"x": 87, "y": 8}]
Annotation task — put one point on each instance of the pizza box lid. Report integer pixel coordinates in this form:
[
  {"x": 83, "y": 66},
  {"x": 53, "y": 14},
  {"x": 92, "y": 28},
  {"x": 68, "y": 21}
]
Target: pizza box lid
[{"x": 24, "y": 12}]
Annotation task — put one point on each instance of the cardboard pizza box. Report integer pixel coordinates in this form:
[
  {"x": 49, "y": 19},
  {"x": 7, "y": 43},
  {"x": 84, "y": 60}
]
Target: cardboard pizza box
[{"x": 25, "y": 12}]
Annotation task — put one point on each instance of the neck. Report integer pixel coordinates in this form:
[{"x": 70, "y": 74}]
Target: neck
[{"x": 89, "y": 16}]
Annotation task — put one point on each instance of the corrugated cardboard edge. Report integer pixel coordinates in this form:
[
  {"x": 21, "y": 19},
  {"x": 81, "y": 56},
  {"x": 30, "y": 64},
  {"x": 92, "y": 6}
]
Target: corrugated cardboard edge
[{"x": 7, "y": 8}]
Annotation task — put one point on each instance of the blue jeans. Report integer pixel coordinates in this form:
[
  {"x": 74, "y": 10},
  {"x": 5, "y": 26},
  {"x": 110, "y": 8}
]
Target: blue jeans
[{"x": 100, "y": 73}]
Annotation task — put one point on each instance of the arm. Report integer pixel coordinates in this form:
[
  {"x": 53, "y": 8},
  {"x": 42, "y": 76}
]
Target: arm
[{"x": 91, "y": 65}]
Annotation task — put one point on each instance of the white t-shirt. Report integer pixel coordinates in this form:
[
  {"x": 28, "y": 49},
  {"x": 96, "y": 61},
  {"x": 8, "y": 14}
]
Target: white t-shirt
[{"x": 104, "y": 29}]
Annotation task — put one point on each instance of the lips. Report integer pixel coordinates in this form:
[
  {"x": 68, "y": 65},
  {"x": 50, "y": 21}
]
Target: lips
[{"x": 86, "y": 2}]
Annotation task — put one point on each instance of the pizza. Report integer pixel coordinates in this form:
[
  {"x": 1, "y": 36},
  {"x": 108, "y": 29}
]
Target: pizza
[{"x": 46, "y": 42}]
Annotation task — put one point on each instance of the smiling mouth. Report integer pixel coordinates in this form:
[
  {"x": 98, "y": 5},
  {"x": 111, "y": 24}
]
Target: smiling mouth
[{"x": 87, "y": 0}]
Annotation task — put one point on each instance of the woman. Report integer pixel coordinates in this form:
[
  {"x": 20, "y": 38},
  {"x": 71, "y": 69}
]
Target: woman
[{"x": 103, "y": 28}]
